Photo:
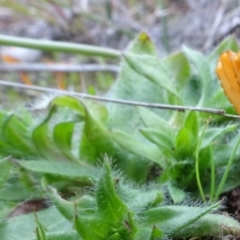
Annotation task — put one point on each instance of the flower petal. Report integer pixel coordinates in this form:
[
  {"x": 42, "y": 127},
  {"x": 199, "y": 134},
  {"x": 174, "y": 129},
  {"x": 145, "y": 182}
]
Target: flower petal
[{"x": 229, "y": 80}]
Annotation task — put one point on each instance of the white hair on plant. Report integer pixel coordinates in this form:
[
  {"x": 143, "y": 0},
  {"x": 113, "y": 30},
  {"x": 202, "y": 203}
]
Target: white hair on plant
[{"x": 43, "y": 102}]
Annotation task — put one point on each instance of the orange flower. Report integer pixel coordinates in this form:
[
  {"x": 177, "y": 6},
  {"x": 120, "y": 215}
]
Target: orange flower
[{"x": 228, "y": 71}]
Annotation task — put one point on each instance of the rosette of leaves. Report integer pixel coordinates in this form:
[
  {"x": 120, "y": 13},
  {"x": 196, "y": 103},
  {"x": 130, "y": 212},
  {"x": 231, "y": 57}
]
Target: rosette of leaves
[{"x": 117, "y": 209}]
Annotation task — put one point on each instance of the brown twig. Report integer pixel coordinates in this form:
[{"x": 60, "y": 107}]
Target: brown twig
[{"x": 120, "y": 101}]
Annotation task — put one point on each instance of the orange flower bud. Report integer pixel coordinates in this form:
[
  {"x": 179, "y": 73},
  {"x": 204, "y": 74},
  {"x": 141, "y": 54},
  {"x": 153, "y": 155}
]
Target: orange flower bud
[{"x": 228, "y": 71}]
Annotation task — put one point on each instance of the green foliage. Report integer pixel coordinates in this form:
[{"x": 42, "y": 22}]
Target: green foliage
[
  {"x": 160, "y": 158},
  {"x": 40, "y": 230},
  {"x": 187, "y": 137},
  {"x": 154, "y": 72},
  {"x": 23, "y": 227},
  {"x": 130, "y": 219},
  {"x": 5, "y": 170}
]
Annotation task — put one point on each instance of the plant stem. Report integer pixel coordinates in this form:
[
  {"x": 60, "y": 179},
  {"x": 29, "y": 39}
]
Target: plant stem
[
  {"x": 227, "y": 170},
  {"x": 212, "y": 175},
  {"x": 197, "y": 163},
  {"x": 58, "y": 67},
  {"x": 54, "y": 46}
]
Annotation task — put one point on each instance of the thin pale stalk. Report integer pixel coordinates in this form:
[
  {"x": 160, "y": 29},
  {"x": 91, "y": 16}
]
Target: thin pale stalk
[
  {"x": 212, "y": 190},
  {"x": 57, "y": 46},
  {"x": 58, "y": 67},
  {"x": 227, "y": 170},
  {"x": 197, "y": 163}
]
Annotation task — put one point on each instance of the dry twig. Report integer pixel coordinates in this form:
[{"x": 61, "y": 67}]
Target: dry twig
[{"x": 119, "y": 101}]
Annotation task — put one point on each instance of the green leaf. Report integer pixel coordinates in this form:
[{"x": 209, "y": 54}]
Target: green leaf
[
  {"x": 115, "y": 236},
  {"x": 14, "y": 130},
  {"x": 68, "y": 101},
  {"x": 214, "y": 132},
  {"x": 8, "y": 150},
  {"x": 212, "y": 225},
  {"x": 84, "y": 206},
  {"x": 107, "y": 199},
  {"x": 97, "y": 137},
  {"x": 132, "y": 145},
  {"x": 152, "y": 120},
  {"x": 69, "y": 235},
  {"x": 85, "y": 174},
  {"x": 187, "y": 137},
  {"x": 178, "y": 67},
  {"x": 144, "y": 197},
  {"x": 132, "y": 223},
  {"x": 87, "y": 150},
  {"x": 222, "y": 152},
  {"x": 132, "y": 86},
  {"x": 183, "y": 221},
  {"x": 23, "y": 227},
  {"x": 153, "y": 70},
  {"x": 233, "y": 180},
  {"x": 87, "y": 222},
  {"x": 191, "y": 123},
  {"x": 42, "y": 141},
  {"x": 205, "y": 157},
  {"x": 192, "y": 91},
  {"x": 90, "y": 228},
  {"x": 219, "y": 100},
  {"x": 229, "y": 43},
  {"x": 40, "y": 230},
  {"x": 14, "y": 191},
  {"x": 65, "y": 207},
  {"x": 156, "y": 234},
  {"x": 97, "y": 140},
  {"x": 164, "y": 141},
  {"x": 62, "y": 135},
  {"x": 176, "y": 194},
  {"x": 143, "y": 233},
  {"x": 201, "y": 64},
  {"x": 5, "y": 167}
]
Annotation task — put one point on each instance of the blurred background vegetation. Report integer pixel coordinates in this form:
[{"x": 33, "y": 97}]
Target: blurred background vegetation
[{"x": 170, "y": 23}]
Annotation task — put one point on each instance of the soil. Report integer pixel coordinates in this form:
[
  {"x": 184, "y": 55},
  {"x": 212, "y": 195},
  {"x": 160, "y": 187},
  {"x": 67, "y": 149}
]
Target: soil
[
  {"x": 28, "y": 207},
  {"x": 232, "y": 203}
]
